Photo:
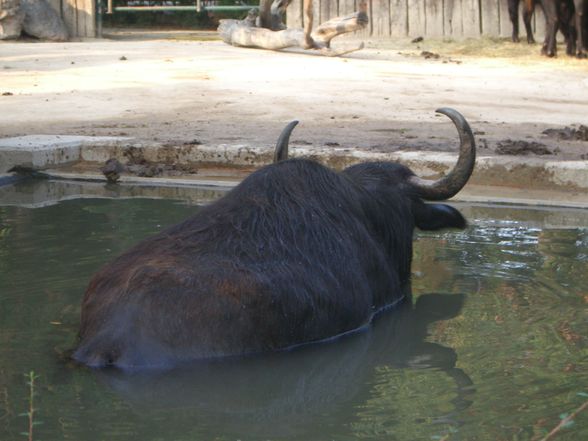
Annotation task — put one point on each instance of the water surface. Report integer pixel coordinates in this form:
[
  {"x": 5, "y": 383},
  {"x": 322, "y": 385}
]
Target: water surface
[{"x": 492, "y": 347}]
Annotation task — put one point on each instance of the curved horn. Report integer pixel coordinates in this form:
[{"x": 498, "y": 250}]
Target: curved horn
[
  {"x": 281, "y": 152},
  {"x": 454, "y": 181}
]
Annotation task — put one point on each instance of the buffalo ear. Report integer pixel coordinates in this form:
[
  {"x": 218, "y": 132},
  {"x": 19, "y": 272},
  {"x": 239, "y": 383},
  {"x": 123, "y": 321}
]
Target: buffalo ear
[{"x": 437, "y": 216}]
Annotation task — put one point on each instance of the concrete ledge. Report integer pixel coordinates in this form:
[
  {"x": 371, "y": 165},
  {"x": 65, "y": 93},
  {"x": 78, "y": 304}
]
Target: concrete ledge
[
  {"x": 520, "y": 172},
  {"x": 147, "y": 182},
  {"x": 513, "y": 171},
  {"x": 41, "y": 151}
]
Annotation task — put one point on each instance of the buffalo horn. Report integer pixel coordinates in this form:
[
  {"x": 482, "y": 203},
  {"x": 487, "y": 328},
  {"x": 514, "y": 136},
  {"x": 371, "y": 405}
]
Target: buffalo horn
[
  {"x": 454, "y": 181},
  {"x": 281, "y": 153}
]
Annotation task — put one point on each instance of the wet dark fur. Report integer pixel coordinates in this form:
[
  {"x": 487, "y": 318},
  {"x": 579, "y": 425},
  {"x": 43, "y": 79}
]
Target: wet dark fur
[{"x": 296, "y": 253}]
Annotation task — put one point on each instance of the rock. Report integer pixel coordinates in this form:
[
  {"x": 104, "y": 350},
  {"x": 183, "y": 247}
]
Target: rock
[
  {"x": 510, "y": 147},
  {"x": 428, "y": 55},
  {"x": 568, "y": 133},
  {"x": 10, "y": 28},
  {"x": 42, "y": 21},
  {"x": 112, "y": 170},
  {"x": 11, "y": 19}
]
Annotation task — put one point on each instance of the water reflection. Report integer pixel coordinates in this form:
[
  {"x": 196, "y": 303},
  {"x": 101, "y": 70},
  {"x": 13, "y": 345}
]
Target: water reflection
[
  {"x": 32, "y": 193},
  {"x": 289, "y": 394}
]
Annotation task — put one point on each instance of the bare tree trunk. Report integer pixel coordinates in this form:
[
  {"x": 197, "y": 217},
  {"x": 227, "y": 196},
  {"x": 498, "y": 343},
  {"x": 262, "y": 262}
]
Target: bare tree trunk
[{"x": 264, "y": 18}]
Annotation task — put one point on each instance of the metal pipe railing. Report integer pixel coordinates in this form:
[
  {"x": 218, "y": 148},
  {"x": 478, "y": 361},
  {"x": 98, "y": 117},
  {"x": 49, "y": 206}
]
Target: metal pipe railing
[
  {"x": 181, "y": 8},
  {"x": 198, "y": 7},
  {"x": 110, "y": 9}
]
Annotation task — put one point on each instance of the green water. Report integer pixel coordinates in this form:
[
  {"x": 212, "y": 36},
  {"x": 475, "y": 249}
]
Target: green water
[{"x": 494, "y": 346}]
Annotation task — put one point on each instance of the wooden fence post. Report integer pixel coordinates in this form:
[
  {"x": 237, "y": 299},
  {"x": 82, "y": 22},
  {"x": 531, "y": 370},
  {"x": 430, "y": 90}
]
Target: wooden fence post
[
  {"x": 434, "y": 18},
  {"x": 453, "y": 18},
  {"x": 490, "y": 14},
  {"x": 294, "y": 14},
  {"x": 416, "y": 18},
  {"x": 504, "y": 20},
  {"x": 398, "y": 18},
  {"x": 471, "y": 18},
  {"x": 380, "y": 17},
  {"x": 79, "y": 16}
]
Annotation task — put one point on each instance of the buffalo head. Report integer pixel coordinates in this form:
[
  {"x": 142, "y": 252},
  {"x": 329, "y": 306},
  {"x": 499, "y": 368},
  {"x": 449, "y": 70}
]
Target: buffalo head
[{"x": 296, "y": 253}]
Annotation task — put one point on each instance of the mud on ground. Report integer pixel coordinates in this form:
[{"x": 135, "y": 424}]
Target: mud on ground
[{"x": 185, "y": 90}]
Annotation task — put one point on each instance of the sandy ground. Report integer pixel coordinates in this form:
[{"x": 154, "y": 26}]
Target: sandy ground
[{"x": 188, "y": 89}]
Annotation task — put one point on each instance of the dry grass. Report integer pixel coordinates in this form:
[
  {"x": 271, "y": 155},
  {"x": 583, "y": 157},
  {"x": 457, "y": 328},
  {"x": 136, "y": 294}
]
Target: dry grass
[
  {"x": 485, "y": 47},
  {"x": 469, "y": 48}
]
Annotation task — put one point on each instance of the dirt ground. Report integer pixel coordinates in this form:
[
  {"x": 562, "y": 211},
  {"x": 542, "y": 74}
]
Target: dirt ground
[{"x": 188, "y": 88}]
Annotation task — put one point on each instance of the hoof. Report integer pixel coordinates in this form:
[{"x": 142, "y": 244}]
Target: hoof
[{"x": 581, "y": 55}]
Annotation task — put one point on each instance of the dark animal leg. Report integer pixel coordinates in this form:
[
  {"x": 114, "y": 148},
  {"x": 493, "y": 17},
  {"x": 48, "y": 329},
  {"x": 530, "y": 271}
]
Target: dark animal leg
[
  {"x": 585, "y": 26},
  {"x": 569, "y": 32},
  {"x": 552, "y": 23},
  {"x": 580, "y": 29},
  {"x": 513, "y": 12},
  {"x": 566, "y": 14},
  {"x": 527, "y": 16}
]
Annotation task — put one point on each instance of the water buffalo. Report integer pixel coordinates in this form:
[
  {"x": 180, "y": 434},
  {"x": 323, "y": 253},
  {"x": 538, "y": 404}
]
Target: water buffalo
[
  {"x": 559, "y": 15},
  {"x": 296, "y": 253}
]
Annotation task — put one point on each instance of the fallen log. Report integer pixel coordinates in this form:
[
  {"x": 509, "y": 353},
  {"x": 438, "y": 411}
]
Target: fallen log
[{"x": 251, "y": 32}]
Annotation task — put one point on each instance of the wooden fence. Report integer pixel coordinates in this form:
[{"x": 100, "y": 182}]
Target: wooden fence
[
  {"x": 388, "y": 18},
  {"x": 79, "y": 16},
  {"x": 426, "y": 18}
]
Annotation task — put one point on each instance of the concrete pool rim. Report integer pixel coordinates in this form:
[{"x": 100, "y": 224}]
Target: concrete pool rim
[{"x": 527, "y": 180}]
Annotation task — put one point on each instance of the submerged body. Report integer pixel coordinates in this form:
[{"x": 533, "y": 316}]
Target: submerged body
[{"x": 296, "y": 253}]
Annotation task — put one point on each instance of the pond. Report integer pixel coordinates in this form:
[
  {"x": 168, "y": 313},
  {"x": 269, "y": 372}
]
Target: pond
[{"x": 492, "y": 347}]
